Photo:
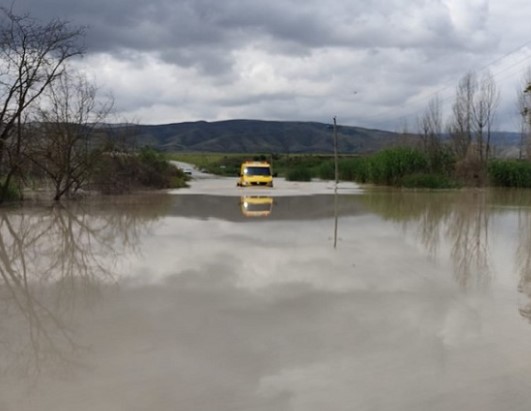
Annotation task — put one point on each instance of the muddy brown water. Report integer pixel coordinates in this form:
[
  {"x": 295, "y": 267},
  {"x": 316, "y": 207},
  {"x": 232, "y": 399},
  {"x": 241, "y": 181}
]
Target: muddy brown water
[{"x": 197, "y": 302}]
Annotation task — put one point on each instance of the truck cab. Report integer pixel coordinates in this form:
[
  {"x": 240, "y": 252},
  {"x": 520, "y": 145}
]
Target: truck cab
[{"x": 255, "y": 173}]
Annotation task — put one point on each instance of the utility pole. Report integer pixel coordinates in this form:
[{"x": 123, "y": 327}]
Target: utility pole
[
  {"x": 335, "y": 152},
  {"x": 526, "y": 127}
]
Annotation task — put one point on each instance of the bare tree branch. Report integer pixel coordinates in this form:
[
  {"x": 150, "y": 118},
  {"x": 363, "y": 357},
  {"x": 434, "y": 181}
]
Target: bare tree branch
[{"x": 32, "y": 57}]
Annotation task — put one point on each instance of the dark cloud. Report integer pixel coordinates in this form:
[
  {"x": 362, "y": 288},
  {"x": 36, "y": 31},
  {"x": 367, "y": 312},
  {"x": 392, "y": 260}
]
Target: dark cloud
[{"x": 175, "y": 28}]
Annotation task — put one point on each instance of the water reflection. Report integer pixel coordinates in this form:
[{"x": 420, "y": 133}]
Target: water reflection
[
  {"x": 468, "y": 229},
  {"x": 461, "y": 219},
  {"x": 293, "y": 208},
  {"x": 256, "y": 206},
  {"x": 53, "y": 260},
  {"x": 523, "y": 262},
  {"x": 336, "y": 216},
  {"x": 466, "y": 221},
  {"x": 218, "y": 312}
]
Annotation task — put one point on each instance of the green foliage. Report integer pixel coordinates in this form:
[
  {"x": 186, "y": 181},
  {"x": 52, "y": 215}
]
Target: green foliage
[
  {"x": 154, "y": 171},
  {"x": 326, "y": 170},
  {"x": 510, "y": 173},
  {"x": 442, "y": 161},
  {"x": 299, "y": 174},
  {"x": 400, "y": 166},
  {"x": 355, "y": 169},
  {"x": 389, "y": 166}
]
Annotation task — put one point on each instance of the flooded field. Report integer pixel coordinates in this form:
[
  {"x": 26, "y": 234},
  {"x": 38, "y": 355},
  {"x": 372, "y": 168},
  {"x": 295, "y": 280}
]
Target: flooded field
[{"x": 218, "y": 298}]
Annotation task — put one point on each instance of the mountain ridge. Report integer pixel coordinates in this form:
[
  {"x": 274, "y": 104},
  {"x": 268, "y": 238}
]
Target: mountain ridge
[{"x": 255, "y": 136}]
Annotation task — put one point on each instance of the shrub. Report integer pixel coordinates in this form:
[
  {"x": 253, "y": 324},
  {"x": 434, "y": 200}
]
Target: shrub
[
  {"x": 510, "y": 173},
  {"x": 156, "y": 172},
  {"x": 299, "y": 174},
  {"x": 326, "y": 171},
  {"x": 118, "y": 173}
]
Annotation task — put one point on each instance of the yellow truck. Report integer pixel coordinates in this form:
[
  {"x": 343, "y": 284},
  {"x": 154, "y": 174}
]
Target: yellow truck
[{"x": 255, "y": 173}]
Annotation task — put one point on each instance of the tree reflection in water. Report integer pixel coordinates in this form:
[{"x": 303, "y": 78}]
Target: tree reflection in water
[
  {"x": 464, "y": 219},
  {"x": 52, "y": 260},
  {"x": 458, "y": 217},
  {"x": 468, "y": 229}
]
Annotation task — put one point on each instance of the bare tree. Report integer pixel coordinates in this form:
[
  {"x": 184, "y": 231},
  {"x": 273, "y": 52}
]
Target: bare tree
[
  {"x": 471, "y": 126},
  {"x": 524, "y": 109},
  {"x": 32, "y": 56},
  {"x": 460, "y": 128},
  {"x": 484, "y": 108},
  {"x": 430, "y": 126},
  {"x": 61, "y": 144}
]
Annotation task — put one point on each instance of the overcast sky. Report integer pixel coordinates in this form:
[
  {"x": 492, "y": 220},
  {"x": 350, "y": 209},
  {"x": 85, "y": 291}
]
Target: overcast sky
[{"x": 372, "y": 63}]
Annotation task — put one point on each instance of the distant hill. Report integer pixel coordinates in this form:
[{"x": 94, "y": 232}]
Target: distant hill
[{"x": 256, "y": 136}]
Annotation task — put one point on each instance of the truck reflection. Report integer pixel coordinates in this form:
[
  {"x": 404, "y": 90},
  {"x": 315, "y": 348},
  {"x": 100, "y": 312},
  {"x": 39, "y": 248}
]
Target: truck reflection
[{"x": 256, "y": 206}]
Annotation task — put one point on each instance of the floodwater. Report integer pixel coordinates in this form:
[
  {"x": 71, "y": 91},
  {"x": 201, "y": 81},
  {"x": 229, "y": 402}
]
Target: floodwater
[{"x": 218, "y": 298}]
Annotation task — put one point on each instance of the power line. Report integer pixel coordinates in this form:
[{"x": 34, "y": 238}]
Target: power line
[{"x": 423, "y": 99}]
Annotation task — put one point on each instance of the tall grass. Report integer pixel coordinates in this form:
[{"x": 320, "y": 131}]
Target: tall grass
[
  {"x": 510, "y": 173},
  {"x": 390, "y": 166},
  {"x": 398, "y": 166},
  {"x": 355, "y": 169}
]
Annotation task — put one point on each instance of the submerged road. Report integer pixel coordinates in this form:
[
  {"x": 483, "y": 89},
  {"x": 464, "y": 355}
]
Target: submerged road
[{"x": 181, "y": 301}]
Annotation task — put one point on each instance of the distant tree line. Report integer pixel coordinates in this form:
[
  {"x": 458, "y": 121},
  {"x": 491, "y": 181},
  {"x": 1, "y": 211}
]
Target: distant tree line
[{"x": 51, "y": 118}]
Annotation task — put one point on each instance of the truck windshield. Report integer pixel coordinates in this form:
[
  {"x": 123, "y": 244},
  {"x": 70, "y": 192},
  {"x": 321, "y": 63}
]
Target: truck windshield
[{"x": 257, "y": 171}]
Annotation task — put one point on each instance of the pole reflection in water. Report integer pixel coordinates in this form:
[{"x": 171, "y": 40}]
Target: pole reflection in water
[
  {"x": 335, "y": 215},
  {"x": 256, "y": 206}
]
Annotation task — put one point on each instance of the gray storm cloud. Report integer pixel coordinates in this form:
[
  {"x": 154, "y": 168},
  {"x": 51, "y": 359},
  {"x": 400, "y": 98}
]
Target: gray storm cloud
[{"x": 312, "y": 53}]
